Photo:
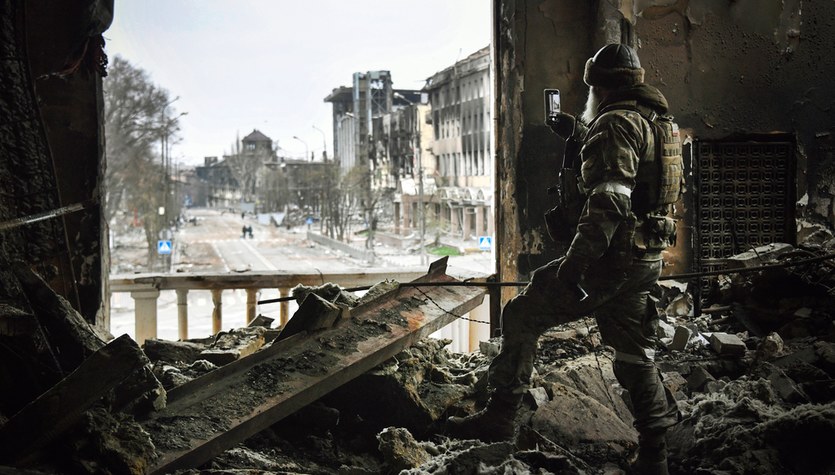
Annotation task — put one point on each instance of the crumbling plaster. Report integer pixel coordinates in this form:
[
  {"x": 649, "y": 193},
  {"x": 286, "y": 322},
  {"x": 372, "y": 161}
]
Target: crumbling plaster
[{"x": 731, "y": 70}]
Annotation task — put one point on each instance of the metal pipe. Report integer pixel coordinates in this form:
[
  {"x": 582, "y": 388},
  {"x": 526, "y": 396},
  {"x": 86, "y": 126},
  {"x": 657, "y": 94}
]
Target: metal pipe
[{"x": 691, "y": 275}]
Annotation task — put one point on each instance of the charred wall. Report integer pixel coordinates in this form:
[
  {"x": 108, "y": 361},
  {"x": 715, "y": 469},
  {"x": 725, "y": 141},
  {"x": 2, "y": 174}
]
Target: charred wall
[
  {"x": 537, "y": 45},
  {"x": 51, "y": 155},
  {"x": 738, "y": 70}
]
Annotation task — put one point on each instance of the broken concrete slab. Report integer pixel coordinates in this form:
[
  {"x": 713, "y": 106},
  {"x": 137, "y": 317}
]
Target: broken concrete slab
[
  {"x": 594, "y": 377},
  {"x": 233, "y": 345},
  {"x": 172, "y": 351},
  {"x": 314, "y": 313},
  {"x": 727, "y": 344},
  {"x": 571, "y": 418},
  {"x": 665, "y": 330},
  {"x": 758, "y": 256},
  {"x": 680, "y": 338},
  {"x": 785, "y": 387},
  {"x": 674, "y": 381}
]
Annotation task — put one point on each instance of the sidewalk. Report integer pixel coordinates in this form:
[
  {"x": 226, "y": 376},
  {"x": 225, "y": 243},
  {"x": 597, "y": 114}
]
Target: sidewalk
[{"x": 472, "y": 262}]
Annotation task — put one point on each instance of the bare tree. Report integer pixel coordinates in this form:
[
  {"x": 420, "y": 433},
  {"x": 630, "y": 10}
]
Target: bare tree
[
  {"x": 135, "y": 128},
  {"x": 245, "y": 166}
]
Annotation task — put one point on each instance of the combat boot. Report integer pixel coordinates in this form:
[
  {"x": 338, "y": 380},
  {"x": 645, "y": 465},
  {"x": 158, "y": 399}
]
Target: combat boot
[
  {"x": 492, "y": 424},
  {"x": 652, "y": 455}
]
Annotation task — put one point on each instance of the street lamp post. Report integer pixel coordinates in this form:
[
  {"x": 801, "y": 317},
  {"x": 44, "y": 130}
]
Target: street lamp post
[
  {"x": 324, "y": 143},
  {"x": 306, "y": 149}
]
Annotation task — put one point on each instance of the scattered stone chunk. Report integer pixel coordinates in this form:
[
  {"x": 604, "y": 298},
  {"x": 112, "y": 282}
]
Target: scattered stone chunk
[
  {"x": 665, "y": 330},
  {"x": 698, "y": 377},
  {"x": 680, "y": 338},
  {"x": 770, "y": 347},
  {"x": 261, "y": 321},
  {"x": 400, "y": 449},
  {"x": 172, "y": 351},
  {"x": 233, "y": 345},
  {"x": 727, "y": 344},
  {"x": 537, "y": 396},
  {"x": 314, "y": 313}
]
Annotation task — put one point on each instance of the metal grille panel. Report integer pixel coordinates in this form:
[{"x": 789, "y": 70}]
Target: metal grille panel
[{"x": 744, "y": 198}]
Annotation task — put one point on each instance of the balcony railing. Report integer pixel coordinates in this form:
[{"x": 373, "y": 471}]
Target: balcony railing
[{"x": 145, "y": 290}]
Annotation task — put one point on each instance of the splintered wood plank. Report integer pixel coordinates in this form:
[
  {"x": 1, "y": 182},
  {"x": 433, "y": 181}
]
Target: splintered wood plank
[
  {"x": 218, "y": 411},
  {"x": 56, "y": 410}
]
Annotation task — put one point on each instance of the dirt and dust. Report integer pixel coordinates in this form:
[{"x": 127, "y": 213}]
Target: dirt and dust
[
  {"x": 770, "y": 409},
  {"x": 765, "y": 407}
]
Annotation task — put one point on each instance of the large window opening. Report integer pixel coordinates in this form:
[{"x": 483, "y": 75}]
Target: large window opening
[{"x": 254, "y": 138}]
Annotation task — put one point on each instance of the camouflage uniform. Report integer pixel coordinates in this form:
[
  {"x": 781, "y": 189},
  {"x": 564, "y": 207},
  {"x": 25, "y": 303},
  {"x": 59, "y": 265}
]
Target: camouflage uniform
[{"x": 604, "y": 260}]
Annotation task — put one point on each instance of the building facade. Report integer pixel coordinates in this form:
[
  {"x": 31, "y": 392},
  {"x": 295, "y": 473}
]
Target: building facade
[{"x": 460, "y": 98}]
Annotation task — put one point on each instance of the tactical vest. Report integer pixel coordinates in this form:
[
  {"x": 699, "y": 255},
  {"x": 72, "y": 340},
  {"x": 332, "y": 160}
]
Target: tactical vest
[{"x": 660, "y": 178}]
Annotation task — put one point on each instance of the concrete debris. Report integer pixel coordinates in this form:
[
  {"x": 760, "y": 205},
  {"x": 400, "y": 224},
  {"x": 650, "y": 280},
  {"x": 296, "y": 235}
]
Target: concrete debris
[
  {"x": 758, "y": 256},
  {"x": 400, "y": 450},
  {"x": 537, "y": 397},
  {"x": 233, "y": 345},
  {"x": 770, "y": 347},
  {"x": 726, "y": 344},
  {"x": 753, "y": 377},
  {"x": 576, "y": 420},
  {"x": 681, "y": 337}
]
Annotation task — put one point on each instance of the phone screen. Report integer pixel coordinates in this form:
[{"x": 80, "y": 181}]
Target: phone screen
[{"x": 552, "y": 104}]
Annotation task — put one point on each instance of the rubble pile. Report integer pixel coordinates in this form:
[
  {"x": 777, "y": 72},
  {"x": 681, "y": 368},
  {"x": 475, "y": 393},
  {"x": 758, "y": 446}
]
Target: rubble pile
[{"x": 751, "y": 367}]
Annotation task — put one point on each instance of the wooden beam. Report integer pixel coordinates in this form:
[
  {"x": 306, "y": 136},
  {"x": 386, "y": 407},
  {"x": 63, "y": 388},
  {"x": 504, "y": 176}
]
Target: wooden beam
[
  {"x": 56, "y": 410},
  {"x": 208, "y": 417}
]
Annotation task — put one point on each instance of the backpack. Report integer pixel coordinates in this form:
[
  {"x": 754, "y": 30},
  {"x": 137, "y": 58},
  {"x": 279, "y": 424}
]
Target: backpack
[
  {"x": 660, "y": 181},
  {"x": 663, "y": 185}
]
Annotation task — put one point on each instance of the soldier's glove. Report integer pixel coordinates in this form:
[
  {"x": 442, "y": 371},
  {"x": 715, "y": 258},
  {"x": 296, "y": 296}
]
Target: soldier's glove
[{"x": 563, "y": 125}]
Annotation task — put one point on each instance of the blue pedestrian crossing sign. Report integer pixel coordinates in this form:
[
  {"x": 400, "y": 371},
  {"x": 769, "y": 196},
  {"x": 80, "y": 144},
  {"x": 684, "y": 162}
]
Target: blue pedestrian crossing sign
[
  {"x": 485, "y": 243},
  {"x": 163, "y": 247}
]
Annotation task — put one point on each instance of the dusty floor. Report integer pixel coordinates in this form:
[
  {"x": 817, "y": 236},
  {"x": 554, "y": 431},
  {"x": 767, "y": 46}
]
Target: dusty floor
[{"x": 753, "y": 375}]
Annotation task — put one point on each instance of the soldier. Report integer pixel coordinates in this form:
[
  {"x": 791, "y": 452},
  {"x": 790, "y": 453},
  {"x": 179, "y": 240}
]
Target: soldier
[{"x": 614, "y": 258}]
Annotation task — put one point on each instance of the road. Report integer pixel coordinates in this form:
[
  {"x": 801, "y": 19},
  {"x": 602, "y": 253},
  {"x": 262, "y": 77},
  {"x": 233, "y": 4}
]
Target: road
[{"x": 214, "y": 244}]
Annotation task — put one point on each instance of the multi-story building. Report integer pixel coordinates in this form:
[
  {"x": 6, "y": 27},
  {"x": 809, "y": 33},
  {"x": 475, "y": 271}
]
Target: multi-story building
[
  {"x": 430, "y": 147},
  {"x": 362, "y": 117},
  {"x": 460, "y": 97}
]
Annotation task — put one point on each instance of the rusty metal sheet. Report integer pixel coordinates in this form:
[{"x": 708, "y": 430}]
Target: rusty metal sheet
[{"x": 225, "y": 407}]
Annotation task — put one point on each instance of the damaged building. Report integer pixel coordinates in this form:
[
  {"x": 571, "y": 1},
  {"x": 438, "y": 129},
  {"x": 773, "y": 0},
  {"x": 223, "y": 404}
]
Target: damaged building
[{"x": 350, "y": 384}]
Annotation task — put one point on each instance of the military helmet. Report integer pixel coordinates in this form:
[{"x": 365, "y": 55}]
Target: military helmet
[{"x": 613, "y": 66}]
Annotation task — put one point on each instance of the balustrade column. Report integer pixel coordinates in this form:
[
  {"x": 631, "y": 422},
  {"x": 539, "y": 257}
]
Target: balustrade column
[
  {"x": 479, "y": 331},
  {"x": 182, "y": 313},
  {"x": 284, "y": 307},
  {"x": 251, "y": 299},
  {"x": 145, "y": 314},
  {"x": 217, "y": 311}
]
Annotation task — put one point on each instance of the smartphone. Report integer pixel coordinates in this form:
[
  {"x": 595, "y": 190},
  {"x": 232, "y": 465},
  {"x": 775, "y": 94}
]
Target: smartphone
[{"x": 552, "y": 105}]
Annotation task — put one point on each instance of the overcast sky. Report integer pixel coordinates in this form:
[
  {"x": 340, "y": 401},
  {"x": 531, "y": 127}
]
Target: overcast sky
[{"x": 239, "y": 65}]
